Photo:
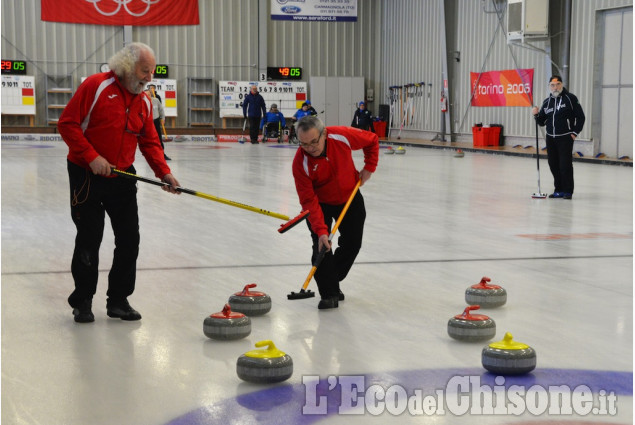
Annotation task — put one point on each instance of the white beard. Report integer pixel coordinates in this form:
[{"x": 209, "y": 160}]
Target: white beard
[
  {"x": 556, "y": 93},
  {"x": 133, "y": 85}
]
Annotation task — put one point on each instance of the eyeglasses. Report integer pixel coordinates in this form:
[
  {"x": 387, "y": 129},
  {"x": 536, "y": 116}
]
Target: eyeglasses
[
  {"x": 313, "y": 143},
  {"x": 556, "y": 84}
]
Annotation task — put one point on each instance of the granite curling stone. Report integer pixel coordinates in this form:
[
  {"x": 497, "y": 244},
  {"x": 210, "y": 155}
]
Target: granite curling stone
[
  {"x": 485, "y": 295},
  {"x": 389, "y": 151},
  {"x": 265, "y": 366},
  {"x": 251, "y": 303},
  {"x": 227, "y": 325},
  {"x": 400, "y": 150},
  {"x": 459, "y": 153},
  {"x": 508, "y": 357},
  {"x": 471, "y": 327}
]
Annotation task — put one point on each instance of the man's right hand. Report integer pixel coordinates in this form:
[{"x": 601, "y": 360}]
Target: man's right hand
[
  {"x": 323, "y": 242},
  {"x": 100, "y": 166}
]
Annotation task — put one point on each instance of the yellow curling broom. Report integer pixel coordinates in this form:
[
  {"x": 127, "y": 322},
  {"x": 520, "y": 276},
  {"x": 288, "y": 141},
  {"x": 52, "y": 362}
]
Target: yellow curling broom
[
  {"x": 289, "y": 222},
  {"x": 309, "y": 294}
]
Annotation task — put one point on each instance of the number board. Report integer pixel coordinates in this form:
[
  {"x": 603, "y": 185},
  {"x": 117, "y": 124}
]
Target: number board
[
  {"x": 11, "y": 67},
  {"x": 18, "y": 95},
  {"x": 161, "y": 71},
  {"x": 166, "y": 89},
  {"x": 288, "y": 95},
  {"x": 284, "y": 73}
]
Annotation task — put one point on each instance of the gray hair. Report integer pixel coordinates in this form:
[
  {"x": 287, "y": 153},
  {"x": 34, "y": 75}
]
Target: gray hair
[
  {"x": 124, "y": 61},
  {"x": 309, "y": 122}
]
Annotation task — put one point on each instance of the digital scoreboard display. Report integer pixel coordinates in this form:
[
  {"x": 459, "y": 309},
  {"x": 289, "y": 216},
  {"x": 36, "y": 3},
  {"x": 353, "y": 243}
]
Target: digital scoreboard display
[
  {"x": 13, "y": 67},
  {"x": 161, "y": 71},
  {"x": 284, "y": 73}
]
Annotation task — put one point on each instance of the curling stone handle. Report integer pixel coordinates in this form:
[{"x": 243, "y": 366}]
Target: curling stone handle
[
  {"x": 247, "y": 288},
  {"x": 484, "y": 281},
  {"x": 266, "y": 343},
  {"x": 469, "y": 308}
]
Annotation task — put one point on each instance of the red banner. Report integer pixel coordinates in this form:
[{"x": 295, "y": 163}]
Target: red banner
[
  {"x": 512, "y": 87},
  {"x": 122, "y": 12}
]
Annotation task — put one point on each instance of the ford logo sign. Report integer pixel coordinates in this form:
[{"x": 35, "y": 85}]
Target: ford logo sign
[{"x": 291, "y": 9}]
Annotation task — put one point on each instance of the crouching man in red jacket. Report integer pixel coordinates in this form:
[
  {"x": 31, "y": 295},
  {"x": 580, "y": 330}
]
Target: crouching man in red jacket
[{"x": 325, "y": 176}]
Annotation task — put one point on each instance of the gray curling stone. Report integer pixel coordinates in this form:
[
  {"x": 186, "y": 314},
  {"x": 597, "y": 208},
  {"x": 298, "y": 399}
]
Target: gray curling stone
[
  {"x": 471, "y": 327},
  {"x": 251, "y": 303},
  {"x": 389, "y": 151},
  {"x": 264, "y": 366},
  {"x": 400, "y": 150},
  {"x": 485, "y": 295},
  {"x": 227, "y": 325},
  {"x": 508, "y": 357}
]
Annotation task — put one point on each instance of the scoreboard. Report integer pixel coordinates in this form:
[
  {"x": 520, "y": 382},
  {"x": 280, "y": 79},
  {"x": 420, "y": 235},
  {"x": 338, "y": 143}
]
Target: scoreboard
[
  {"x": 18, "y": 94},
  {"x": 288, "y": 95},
  {"x": 166, "y": 89}
]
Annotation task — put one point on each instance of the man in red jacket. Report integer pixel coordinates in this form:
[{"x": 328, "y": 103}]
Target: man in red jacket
[
  {"x": 325, "y": 176},
  {"x": 104, "y": 122}
]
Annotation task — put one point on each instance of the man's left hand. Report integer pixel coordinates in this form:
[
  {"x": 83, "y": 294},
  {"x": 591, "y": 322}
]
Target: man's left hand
[{"x": 174, "y": 183}]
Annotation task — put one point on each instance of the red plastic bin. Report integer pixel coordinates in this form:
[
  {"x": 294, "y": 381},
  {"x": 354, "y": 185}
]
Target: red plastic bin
[
  {"x": 479, "y": 136},
  {"x": 380, "y": 128},
  {"x": 493, "y": 136},
  {"x": 485, "y": 136}
]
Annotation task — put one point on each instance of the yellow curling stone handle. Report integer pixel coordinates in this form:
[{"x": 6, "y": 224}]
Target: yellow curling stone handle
[
  {"x": 270, "y": 352},
  {"x": 508, "y": 344}
]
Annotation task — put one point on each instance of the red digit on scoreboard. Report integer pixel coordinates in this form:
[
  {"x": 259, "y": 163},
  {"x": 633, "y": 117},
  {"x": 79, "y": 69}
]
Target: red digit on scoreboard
[{"x": 6, "y": 65}]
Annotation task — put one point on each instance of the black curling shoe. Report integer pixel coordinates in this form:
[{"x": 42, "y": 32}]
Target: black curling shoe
[
  {"x": 84, "y": 313},
  {"x": 330, "y": 302},
  {"x": 122, "y": 310}
]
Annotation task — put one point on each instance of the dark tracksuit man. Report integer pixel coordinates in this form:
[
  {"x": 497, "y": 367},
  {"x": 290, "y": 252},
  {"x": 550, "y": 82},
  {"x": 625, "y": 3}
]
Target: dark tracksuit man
[
  {"x": 562, "y": 114},
  {"x": 254, "y": 108},
  {"x": 363, "y": 118}
]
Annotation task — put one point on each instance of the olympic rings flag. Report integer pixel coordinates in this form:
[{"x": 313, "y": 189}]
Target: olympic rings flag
[
  {"x": 122, "y": 12},
  {"x": 512, "y": 87}
]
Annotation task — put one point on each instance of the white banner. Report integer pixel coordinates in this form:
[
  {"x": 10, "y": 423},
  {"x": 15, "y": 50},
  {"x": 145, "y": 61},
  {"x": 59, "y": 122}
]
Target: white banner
[
  {"x": 18, "y": 95},
  {"x": 289, "y": 96},
  {"x": 314, "y": 10}
]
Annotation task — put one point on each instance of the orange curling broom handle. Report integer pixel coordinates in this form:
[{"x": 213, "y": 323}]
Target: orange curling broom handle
[{"x": 322, "y": 252}]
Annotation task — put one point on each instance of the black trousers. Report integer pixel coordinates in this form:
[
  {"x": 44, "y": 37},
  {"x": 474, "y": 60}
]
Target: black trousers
[
  {"x": 336, "y": 265},
  {"x": 91, "y": 198},
  {"x": 254, "y": 126},
  {"x": 157, "y": 126},
  {"x": 560, "y": 159}
]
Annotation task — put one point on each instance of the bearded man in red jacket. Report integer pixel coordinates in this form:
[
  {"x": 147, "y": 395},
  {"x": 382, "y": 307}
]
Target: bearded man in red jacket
[
  {"x": 103, "y": 123},
  {"x": 325, "y": 176}
]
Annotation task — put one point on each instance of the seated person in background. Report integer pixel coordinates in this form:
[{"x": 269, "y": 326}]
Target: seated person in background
[
  {"x": 302, "y": 112},
  {"x": 273, "y": 117}
]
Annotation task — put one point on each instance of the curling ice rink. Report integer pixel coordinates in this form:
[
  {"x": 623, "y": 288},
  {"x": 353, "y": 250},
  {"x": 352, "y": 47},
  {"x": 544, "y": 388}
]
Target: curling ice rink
[{"x": 435, "y": 225}]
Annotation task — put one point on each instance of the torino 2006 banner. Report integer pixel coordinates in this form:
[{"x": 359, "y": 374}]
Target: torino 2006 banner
[{"x": 512, "y": 87}]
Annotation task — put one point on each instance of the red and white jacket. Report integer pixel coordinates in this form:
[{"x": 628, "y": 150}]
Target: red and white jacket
[
  {"x": 331, "y": 178},
  {"x": 104, "y": 118}
]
